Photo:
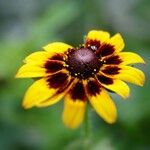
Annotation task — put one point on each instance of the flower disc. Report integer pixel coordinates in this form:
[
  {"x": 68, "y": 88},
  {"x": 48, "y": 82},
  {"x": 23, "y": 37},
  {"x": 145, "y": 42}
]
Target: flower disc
[{"x": 83, "y": 62}]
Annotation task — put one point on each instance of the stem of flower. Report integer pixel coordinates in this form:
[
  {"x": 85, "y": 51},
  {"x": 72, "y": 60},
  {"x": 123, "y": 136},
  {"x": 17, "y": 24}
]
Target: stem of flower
[
  {"x": 86, "y": 141},
  {"x": 86, "y": 125}
]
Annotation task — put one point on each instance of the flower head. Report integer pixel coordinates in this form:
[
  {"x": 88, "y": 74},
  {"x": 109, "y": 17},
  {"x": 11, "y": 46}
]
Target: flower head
[{"x": 81, "y": 75}]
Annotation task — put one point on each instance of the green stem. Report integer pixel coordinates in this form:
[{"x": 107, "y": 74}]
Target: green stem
[
  {"x": 86, "y": 131},
  {"x": 86, "y": 125}
]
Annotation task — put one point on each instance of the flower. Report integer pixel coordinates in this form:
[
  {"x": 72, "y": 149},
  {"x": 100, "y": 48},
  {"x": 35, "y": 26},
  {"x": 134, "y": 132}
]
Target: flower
[{"x": 81, "y": 75}]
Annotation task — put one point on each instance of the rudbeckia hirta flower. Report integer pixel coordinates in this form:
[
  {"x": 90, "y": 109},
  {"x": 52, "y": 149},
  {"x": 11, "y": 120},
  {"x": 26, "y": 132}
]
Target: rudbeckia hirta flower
[{"x": 81, "y": 75}]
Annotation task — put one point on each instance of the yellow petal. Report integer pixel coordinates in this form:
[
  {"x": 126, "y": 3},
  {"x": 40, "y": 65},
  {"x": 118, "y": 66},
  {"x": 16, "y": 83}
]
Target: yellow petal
[
  {"x": 52, "y": 100},
  {"x": 104, "y": 106},
  {"x": 39, "y": 64},
  {"x": 74, "y": 105},
  {"x": 47, "y": 91},
  {"x": 30, "y": 71},
  {"x": 57, "y": 47},
  {"x": 37, "y": 58},
  {"x": 101, "y": 36},
  {"x": 117, "y": 42},
  {"x": 34, "y": 65},
  {"x": 119, "y": 87},
  {"x": 130, "y": 58},
  {"x": 100, "y": 100},
  {"x": 132, "y": 75},
  {"x": 37, "y": 92},
  {"x": 73, "y": 113},
  {"x": 57, "y": 96}
]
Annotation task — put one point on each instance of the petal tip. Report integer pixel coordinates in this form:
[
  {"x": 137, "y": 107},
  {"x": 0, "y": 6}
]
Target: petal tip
[
  {"x": 18, "y": 75},
  {"x": 112, "y": 119},
  {"x": 118, "y": 42},
  {"x": 127, "y": 95},
  {"x": 143, "y": 61},
  {"x": 26, "y": 106},
  {"x": 71, "y": 126},
  {"x": 142, "y": 83}
]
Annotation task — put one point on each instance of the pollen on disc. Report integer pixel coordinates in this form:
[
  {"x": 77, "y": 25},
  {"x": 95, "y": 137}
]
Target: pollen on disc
[{"x": 83, "y": 62}]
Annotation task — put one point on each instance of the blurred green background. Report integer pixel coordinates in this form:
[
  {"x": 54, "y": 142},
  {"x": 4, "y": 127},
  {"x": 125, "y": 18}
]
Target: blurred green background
[{"x": 26, "y": 26}]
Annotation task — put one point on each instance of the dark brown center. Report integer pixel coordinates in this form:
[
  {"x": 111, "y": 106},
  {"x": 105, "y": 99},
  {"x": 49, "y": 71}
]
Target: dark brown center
[{"x": 83, "y": 63}]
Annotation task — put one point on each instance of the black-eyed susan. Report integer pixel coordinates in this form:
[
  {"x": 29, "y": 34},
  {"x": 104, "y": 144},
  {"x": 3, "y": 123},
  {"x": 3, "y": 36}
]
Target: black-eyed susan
[{"x": 81, "y": 75}]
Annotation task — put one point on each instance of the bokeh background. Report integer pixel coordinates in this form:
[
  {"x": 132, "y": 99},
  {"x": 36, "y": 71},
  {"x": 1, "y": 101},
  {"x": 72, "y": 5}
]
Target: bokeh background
[{"x": 26, "y": 26}]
